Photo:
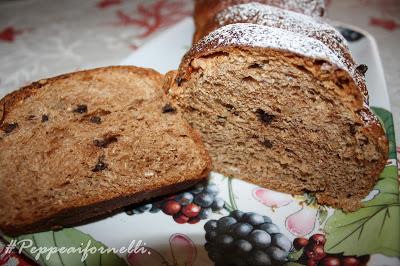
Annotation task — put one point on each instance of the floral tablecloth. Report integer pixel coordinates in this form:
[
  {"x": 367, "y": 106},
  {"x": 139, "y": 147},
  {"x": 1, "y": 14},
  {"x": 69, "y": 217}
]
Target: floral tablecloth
[{"x": 42, "y": 38}]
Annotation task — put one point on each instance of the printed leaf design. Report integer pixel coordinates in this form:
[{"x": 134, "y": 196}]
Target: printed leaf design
[
  {"x": 231, "y": 195},
  {"x": 388, "y": 187},
  {"x": 373, "y": 229},
  {"x": 295, "y": 256},
  {"x": 67, "y": 238},
  {"x": 322, "y": 214},
  {"x": 386, "y": 119}
]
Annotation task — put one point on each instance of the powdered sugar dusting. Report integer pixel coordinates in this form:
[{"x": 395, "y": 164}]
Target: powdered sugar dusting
[
  {"x": 308, "y": 7},
  {"x": 367, "y": 116},
  {"x": 315, "y": 28},
  {"x": 251, "y": 35},
  {"x": 277, "y": 17}
]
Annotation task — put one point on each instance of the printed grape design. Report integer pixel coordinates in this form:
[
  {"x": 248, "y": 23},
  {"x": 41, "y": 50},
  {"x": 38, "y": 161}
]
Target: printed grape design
[
  {"x": 187, "y": 207},
  {"x": 242, "y": 239},
  {"x": 315, "y": 255}
]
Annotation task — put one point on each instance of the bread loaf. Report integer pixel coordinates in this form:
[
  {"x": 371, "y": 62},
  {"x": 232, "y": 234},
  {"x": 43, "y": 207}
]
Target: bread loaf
[
  {"x": 85, "y": 144},
  {"x": 282, "y": 109},
  {"x": 205, "y": 10}
]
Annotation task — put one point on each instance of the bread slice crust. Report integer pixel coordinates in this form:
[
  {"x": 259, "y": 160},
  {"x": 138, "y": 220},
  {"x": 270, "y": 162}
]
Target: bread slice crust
[{"x": 56, "y": 205}]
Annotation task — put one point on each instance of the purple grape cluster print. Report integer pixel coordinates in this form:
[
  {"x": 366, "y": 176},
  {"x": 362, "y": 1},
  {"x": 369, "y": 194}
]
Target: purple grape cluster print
[{"x": 246, "y": 238}]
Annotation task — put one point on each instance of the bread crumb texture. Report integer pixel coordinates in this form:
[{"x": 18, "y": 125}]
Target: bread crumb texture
[{"x": 91, "y": 138}]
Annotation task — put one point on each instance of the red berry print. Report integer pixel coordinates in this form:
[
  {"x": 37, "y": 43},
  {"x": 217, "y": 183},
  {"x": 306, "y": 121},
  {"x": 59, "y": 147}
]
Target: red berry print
[
  {"x": 190, "y": 206},
  {"x": 181, "y": 218},
  {"x": 331, "y": 261},
  {"x": 311, "y": 262},
  {"x": 319, "y": 252},
  {"x": 171, "y": 207},
  {"x": 314, "y": 253},
  {"x": 350, "y": 261},
  {"x": 318, "y": 239},
  {"x": 191, "y": 210},
  {"x": 300, "y": 243}
]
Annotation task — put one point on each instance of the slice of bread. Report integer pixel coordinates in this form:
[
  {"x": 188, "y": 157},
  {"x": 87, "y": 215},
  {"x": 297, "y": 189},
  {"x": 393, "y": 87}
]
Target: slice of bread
[
  {"x": 281, "y": 110},
  {"x": 84, "y": 144}
]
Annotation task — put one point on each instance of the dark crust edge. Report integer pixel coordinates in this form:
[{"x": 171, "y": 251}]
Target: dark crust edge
[{"x": 74, "y": 215}]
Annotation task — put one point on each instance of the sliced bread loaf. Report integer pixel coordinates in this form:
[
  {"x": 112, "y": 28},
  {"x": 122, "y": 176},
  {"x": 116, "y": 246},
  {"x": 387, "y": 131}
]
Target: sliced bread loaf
[
  {"x": 205, "y": 10},
  {"x": 280, "y": 109},
  {"x": 313, "y": 27},
  {"x": 84, "y": 144}
]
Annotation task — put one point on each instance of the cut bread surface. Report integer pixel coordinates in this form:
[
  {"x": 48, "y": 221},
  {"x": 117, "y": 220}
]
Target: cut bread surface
[
  {"x": 87, "y": 143},
  {"x": 280, "y": 110}
]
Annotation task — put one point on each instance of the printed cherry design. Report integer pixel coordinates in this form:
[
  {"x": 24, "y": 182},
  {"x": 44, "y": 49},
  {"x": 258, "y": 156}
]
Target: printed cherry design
[
  {"x": 314, "y": 254},
  {"x": 183, "y": 252}
]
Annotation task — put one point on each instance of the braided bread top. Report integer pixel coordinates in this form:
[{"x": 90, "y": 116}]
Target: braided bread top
[
  {"x": 207, "y": 9},
  {"x": 315, "y": 28}
]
